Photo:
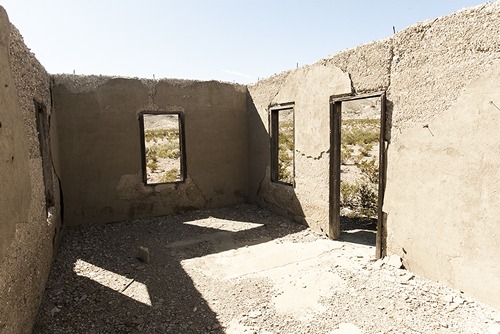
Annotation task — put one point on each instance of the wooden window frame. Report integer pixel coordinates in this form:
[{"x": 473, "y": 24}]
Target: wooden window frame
[
  {"x": 182, "y": 146},
  {"x": 274, "y": 133}
]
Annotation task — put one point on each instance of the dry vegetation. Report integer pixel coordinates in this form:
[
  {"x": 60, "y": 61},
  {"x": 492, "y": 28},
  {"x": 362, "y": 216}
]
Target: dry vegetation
[
  {"x": 359, "y": 159},
  {"x": 163, "y": 155},
  {"x": 285, "y": 153},
  {"x": 285, "y": 147}
]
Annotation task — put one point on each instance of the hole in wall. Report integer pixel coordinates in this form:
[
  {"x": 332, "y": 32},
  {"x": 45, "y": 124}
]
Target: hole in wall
[
  {"x": 359, "y": 159},
  {"x": 282, "y": 144},
  {"x": 358, "y": 168},
  {"x": 163, "y": 153}
]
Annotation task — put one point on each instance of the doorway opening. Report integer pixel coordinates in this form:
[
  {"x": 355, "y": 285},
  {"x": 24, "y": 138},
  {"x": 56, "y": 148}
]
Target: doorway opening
[{"x": 357, "y": 169}]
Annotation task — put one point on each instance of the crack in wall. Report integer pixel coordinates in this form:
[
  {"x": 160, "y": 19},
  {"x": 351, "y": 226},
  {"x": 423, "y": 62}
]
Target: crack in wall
[
  {"x": 201, "y": 191},
  {"x": 320, "y": 156},
  {"x": 152, "y": 90},
  {"x": 260, "y": 185},
  {"x": 391, "y": 65}
]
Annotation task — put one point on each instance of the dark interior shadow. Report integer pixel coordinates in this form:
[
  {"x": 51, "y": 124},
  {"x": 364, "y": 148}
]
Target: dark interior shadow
[
  {"x": 276, "y": 197},
  {"x": 358, "y": 230},
  {"x": 76, "y": 303}
]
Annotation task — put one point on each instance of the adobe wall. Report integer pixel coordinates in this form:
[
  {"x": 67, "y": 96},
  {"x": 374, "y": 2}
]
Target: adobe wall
[
  {"x": 28, "y": 233},
  {"x": 442, "y": 179},
  {"x": 443, "y": 184},
  {"x": 310, "y": 88},
  {"x": 100, "y": 146}
]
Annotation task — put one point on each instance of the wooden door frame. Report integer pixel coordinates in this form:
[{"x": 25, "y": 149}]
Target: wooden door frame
[{"x": 335, "y": 162}]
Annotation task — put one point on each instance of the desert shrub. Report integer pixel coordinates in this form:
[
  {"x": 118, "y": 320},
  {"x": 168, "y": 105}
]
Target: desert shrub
[
  {"x": 368, "y": 200},
  {"x": 171, "y": 175},
  {"x": 346, "y": 154},
  {"x": 358, "y": 137},
  {"x": 153, "y": 165},
  {"x": 361, "y": 198},
  {"x": 155, "y": 135},
  {"x": 167, "y": 152},
  {"x": 349, "y": 194},
  {"x": 369, "y": 169},
  {"x": 360, "y": 131},
  {"x": 151, "y": 154},
  {"x": 366, "y": 149},
  {"x": 285, "y": 152}
]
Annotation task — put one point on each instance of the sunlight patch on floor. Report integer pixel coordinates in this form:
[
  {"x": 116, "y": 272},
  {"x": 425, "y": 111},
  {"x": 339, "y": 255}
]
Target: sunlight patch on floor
[
  {"x": 247, "y": 260},
  {"x": 224, "y": 225}
]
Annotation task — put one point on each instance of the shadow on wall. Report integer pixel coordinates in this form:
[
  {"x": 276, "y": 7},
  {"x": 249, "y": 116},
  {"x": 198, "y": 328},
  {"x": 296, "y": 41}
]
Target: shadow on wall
[
  {"x": 98, "y": 285},
  {"x": 276, "y": 197}
]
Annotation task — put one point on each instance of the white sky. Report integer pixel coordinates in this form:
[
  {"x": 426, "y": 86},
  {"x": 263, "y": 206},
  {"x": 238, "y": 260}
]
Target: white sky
[{"x": 227, "y": 40}]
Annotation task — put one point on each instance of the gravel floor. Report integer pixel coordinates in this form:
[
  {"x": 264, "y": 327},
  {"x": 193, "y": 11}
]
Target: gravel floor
[{"x": 229, "y": 271}]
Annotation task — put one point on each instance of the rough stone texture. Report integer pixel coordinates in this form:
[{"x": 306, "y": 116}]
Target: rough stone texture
[
  {"x": 28, "y": 230},
  {"x": 309, "y": 88},
  {"x": 443, "y": 167},
  {"x": 443, "y": 187},
  {"x": 434, "y": 60},
  {"x": 425, "y": 70},
  {"x": 14, "y": 147},
  {"x": 100, "y": 150},
  {"x": 368, "y": 65},
  {"x": 446, "y": 179}
]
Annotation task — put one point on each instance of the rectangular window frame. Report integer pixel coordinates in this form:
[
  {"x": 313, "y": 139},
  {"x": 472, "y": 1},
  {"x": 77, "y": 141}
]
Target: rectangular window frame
[
  {"x": 182, "y": 146},
  {"x": 274, "y": 134}
]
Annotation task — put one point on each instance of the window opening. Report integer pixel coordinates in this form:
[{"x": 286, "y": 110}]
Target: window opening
[
  {"x": 282, "y": 145},
  {"x": 163, "y": 153}
]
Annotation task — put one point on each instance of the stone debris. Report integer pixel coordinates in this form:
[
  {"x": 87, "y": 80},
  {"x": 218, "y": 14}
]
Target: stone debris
[
  {"x": 54, "y": 311},
  {"x": 338, "y": 291},
  {"x": 143, "y": 254},
  {"x": 347, "y": 328},
  {"x": 405, "y": 278},
  {"x": 448, "y": 299},
  {"x": 254, "y": 314},
  {"x": 393, "y": 261},
  {"x": 378, "y": 264}
]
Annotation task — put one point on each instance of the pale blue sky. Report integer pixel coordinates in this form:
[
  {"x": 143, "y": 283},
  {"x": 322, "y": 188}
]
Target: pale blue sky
[{"x": 227, "y": 40}]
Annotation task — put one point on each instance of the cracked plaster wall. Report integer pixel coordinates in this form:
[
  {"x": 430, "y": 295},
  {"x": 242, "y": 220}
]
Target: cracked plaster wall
[
  {"x": 309, "y": 88},
  {"x": 443, "y": 180},
  {"x": 100, "y": 148},
  {"x": 28, "y": 233}
]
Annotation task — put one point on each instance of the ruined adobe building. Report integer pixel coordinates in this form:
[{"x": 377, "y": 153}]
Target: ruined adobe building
[{"x": 70, "y": 152}]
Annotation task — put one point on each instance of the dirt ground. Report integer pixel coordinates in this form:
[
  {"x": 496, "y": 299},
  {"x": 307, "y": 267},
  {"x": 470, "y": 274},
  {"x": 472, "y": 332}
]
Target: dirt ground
[{"x": 242, "y": 269}]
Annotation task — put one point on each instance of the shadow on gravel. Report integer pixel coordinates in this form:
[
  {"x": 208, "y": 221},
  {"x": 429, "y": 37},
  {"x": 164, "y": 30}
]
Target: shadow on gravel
[
  {"x": 358, "y": 230},
  {"x": 97, "y": 284}
]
